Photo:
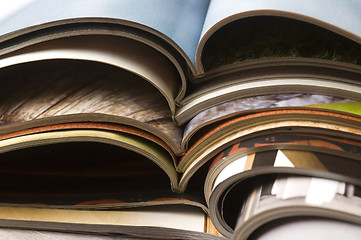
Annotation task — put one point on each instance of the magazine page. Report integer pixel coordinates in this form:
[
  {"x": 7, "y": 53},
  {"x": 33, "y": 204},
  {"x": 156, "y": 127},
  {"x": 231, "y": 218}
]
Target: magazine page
[
  {"x": 342, "y": 18},
  {"x": 64, "y": 88},
  {"x": 179, "y": 21}
]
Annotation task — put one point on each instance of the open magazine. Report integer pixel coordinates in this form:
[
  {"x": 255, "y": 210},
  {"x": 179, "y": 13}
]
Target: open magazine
[{"x": 111, "y": 104}]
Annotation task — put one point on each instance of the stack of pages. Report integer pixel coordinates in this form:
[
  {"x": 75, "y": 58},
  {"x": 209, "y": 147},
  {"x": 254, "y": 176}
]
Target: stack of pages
[{"x": 227, "y": 117}]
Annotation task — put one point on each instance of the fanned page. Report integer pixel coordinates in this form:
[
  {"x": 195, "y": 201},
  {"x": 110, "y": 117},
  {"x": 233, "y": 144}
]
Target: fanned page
[
  {"x": 118, "y": 51},
  {"x": 178, "y": 21},
  {"x": 171, "y": 29},
  {"x": 181, "y": 216},
  {"x": 70, "y": 231},
  {"x": 341, "y": 18},
  {"x": 66, "y": 88},
  {"x": 220, "y": 135},
  {"x": 157, "y": 222},
  {"x": 243, "y": 106}
]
